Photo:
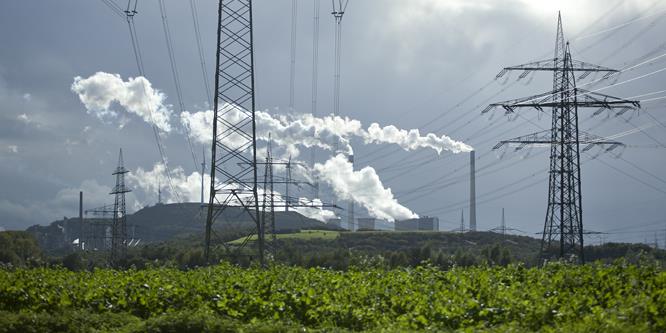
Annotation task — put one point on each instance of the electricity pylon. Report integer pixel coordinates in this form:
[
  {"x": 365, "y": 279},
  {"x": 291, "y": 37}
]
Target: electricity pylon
[
  {"x": 234, "y": 150},
  {"x": 119, "y": 226},
  {"x": 563, "y": 227}
]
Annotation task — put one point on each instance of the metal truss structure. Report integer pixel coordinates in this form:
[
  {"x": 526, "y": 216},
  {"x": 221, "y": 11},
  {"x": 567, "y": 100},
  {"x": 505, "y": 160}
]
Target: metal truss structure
[
  {"x": 119, "y": 226},
  {"x": 563, "y": 227}
]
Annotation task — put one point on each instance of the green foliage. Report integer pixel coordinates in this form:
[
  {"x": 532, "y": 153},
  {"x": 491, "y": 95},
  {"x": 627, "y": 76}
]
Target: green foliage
[
  {"x": 19, "y": 248},
  {"x": 558, "y": 297},
  {"x": 73, "y": 261}
]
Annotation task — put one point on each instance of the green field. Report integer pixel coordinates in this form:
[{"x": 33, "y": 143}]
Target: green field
[
  {"x": 558, "y": 297},
  {"x": 303, "y": 234}
]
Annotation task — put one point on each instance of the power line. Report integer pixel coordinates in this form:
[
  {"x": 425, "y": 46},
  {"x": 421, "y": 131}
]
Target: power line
[
  {"x": 176, "y": 77},
  {"x": 114, "y": 8},
  {"x": 129, "y": 14},
  {"x": 202, "y": 59}
]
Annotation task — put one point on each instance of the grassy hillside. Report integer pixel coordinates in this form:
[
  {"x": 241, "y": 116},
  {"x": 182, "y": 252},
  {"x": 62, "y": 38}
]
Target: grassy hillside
[{"x": 165, "y": 222}]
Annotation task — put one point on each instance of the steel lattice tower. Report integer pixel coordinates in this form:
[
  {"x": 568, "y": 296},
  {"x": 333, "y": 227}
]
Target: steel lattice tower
[
  {"x": 234, "y": 159},
  {"x": 563, "y": 227},
  {"x": 268, "y": 206},
  {"x": 119, "y": 226}
]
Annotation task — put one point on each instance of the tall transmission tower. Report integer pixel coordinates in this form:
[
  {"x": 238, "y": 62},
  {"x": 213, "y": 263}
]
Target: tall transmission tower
[
  {"x": 233, "y": 169},
  {"x": 292, "y": 63},
  {"x": 339, "y": 7},
  {"x": 119, "y": 226},
  {"x": 315, "y": 81},
  {"x": 563, "y": 226},
  {"x": 268, "y": 206}
]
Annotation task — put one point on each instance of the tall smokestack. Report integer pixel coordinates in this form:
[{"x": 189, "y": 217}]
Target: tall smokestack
[
  {"x": 80, "y": 218},
  {"x": 472, "y": 192},
  {"x": 350, "y": 218}
]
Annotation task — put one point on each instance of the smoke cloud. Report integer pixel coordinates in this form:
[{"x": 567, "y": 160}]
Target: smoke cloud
[
  {"x": 363, "y": 187},
  {"x": 136, "y": 95},
  {"x": 100, "y": 91},
  {"x": 328, "y": 132},
  {"x": 412, "y": 139},
  {"x": 189, "y": 187}
]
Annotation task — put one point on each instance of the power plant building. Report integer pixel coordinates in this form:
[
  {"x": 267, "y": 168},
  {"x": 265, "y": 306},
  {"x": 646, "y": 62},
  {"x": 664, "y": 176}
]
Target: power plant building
[
  {"x": 424, "y": 223},
  {"x": 366, "y": 223}
]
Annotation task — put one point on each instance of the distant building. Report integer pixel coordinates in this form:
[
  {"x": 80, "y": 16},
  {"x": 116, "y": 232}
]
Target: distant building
[
  {"x": 424, "y": 223},
  {"x": 366, "y": 223}
]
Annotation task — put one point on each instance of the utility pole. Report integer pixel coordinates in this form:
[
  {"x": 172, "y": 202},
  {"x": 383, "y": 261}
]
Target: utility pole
[
  {"x": 563, "y": 226},
  {"x": 119, "y": 226},
  {"x": 462, "y": 221},
  {"x": 233, "y": 170}
]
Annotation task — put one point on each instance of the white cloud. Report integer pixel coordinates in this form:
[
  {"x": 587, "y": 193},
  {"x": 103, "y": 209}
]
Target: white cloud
[
  {"x": 136, "y": 95},
  {"x": 363, "y": 187},
  {"x": 64, "y": 203},
  {"x": 188, "y": 187},
  {"x": 24, "y": 118},
  {"x": 12, "y": 149}
]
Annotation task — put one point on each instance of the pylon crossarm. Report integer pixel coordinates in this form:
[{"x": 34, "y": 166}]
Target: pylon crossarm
[
  {"x": 544, "y": 139},
  {"x": 583, "y": 99},
  {"x": 552, "y": 65},
  {"x": 586, "y": 98},
  {"x": 534, "y": 100}
]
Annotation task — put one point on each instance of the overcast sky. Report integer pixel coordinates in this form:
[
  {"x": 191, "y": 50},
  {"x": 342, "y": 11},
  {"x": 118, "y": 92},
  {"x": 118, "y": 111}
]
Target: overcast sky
[{"x": 427, "y": 64}]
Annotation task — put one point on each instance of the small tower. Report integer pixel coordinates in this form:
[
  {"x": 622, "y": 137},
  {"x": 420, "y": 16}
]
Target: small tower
[{"x": 119, "y": 227}]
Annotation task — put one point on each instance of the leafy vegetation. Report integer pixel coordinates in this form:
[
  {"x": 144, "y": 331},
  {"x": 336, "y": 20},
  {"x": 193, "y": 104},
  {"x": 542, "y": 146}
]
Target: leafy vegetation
[
  {"x": 557, "y": 297},
  {"x": 19, "y": 248}
]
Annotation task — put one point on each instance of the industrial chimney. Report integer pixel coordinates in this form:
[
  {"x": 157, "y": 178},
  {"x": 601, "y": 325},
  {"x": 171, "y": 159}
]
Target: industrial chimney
[{"x": 472, "y": 192}]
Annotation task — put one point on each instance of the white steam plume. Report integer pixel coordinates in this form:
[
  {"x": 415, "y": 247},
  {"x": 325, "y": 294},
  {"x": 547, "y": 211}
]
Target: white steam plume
[
  {"x": 363, "y": 187},
  {"x": 412, "y": 139},
  {"x": 136, "y": 95},
  {"x": 324, "y": 132},
  {"x": 189, "y": 187},
  {"x": 314, "y": 210},
  {"x": 287, "y": 130}
]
